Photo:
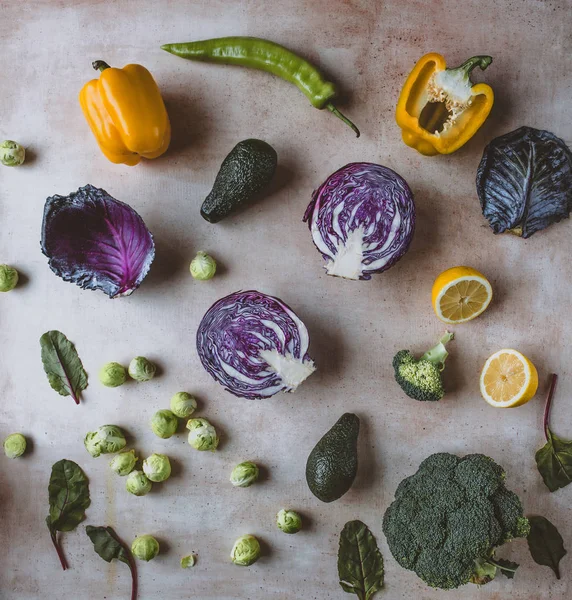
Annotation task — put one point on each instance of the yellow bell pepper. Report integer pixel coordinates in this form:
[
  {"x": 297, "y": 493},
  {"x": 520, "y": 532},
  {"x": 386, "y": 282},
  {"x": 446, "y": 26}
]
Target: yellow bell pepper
[
  {"x": 126, "y": 113},
  {"x": 439, "y": 109}
]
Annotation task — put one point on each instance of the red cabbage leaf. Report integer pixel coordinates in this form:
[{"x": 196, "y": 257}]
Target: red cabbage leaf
[
  {"x": 524, "y": 181},
  {"x": 96, "y": 241}
]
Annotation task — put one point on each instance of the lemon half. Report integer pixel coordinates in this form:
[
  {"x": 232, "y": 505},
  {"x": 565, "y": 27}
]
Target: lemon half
[
  {"x": 508, "y": 379},
  {"x": 460, "y": 294}
]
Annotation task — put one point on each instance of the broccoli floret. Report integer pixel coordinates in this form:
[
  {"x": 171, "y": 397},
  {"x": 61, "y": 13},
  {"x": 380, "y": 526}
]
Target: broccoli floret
[
  {"x": 420, "y": 378},
  {"x": 448, "y": 518}
]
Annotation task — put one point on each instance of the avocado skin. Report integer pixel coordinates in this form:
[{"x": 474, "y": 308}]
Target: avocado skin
[
  {"x": 246, "y": 171},
  {"x": 333, "y": 463}
]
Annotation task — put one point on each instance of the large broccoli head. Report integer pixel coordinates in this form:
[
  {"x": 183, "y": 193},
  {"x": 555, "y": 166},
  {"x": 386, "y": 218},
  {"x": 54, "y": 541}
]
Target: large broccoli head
[
  {"x": 448, "y": 518},
  {"x": 420, "y": 378}
]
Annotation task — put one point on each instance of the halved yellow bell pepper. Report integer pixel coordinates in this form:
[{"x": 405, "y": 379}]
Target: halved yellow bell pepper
[
  {"x": 126, "y": 113},
  {"x": 439, "y": 109}
]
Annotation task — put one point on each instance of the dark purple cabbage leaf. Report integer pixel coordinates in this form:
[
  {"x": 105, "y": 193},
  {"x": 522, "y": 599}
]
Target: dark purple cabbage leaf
[
  {"x": 254, "y": 345},
  {"x": 524, "y": 181},
  {"x": 362, "y": 220},
  {"x": 96, "y": 241}
]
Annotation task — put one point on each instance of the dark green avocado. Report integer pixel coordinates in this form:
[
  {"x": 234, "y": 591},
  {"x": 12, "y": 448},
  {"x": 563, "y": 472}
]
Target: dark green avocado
[
  {"x": 333, "y": 463},
  {"x": 244, "y": 173}
]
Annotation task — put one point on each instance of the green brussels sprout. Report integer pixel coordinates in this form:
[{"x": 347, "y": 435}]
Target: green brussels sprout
[
  {"x": 244, "y": 474},
  {"x": 141, "y": 369},
  {"x": 202, "y": 435},
  {"x": 289, "y": 521},
  {"x": 164, "y": 423},
  {"x": 14, "y": 445},
  {"x": 183, "y": 405},
  {"x": 188, "y": 561},
  {"x": 8, "y": 278},
  {"x": 138, "y": 484},
  {"x": 246, "y": 551},
  {"x": 107, "y": 439},
  {"x": 112, "y": 374},
  {"x": 203, "y": 266},
  {"x": 124, "y": 462},
  {"x": 145, "y": 547},
  {"x": 157, "y": 467},
  {"x": 12, "y": 154}
]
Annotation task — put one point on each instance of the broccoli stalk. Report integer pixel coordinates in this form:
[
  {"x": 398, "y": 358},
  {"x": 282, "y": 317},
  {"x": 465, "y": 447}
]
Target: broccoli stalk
[
  {"x": 420, "y": 378},
  {"x": 438, "y": 354},
  {"x": 486, "y": 570}
]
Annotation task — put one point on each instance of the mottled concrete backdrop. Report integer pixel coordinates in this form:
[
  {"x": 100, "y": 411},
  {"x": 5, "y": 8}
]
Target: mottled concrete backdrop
[{"x": 367, "y": 47}]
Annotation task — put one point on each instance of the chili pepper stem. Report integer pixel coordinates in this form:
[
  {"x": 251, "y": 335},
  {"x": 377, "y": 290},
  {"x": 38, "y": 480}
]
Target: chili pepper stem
[
  {"x": 553, "y": 379},
  {"x": 338, "y": 114},
  {"x": 100, "y": 65}
]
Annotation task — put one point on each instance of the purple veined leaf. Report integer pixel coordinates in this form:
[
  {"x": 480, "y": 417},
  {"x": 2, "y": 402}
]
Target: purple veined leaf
[
  {"x": 362, "y": 220},
  {"x": 254, "y": 345},
  {"x": 524, "y": 181},
  {"x": 96, "y": 241}
]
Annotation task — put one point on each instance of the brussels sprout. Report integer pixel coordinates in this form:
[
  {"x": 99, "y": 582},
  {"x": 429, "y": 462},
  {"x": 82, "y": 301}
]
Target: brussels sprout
[
  {"x": 183, "y": 405},
  {"x": 138, "y": 484},
  {"x": 188, "y": 561},
  {"x": 202, "y": 435},
  {"x": 203, "y": 266},
  {"x": 12, "y": 154},
  {"x": 8, "y": 278},
  {"x": 157, "y": 467},
  {"x": 141, "y": 369},
  {"x": 145, "y": 547},
  {"x": 289, "y": 521},
  {"x": 246, "y": 551},
  {"x": 108, "y": 439},
  {"x": 14, "y": 445},
  {"x": 112, "y": 374},
  {"x": 164, "y": 423},
  {"x": 244, "y": 474},
  {"x": 124, "y": 462}
]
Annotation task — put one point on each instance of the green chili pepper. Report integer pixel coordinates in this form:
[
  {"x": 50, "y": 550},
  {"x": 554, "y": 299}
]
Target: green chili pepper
[{"x": 265, "y": 56}]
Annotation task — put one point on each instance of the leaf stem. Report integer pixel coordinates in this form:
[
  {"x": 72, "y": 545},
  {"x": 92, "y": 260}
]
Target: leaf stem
[
  {"x": 59, "y": 550},
  {"x": 549, "y": 397}
]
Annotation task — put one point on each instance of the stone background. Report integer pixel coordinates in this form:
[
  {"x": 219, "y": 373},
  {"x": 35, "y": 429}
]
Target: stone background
[{"x": 368, "y": 48}]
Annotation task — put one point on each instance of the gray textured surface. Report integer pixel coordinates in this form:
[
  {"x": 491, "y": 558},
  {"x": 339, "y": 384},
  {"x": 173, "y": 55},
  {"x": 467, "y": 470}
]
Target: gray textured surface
[{"x": 369, "y": 47}]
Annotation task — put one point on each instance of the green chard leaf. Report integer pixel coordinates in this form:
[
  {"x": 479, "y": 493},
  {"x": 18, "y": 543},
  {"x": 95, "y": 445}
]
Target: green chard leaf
[
  {"x": 554, "y": 459},
  {"x": 360, "y": 564},
  {"x": 68, "y": 492},
  {"x": 545, "y": 544},
  {"x": 506, "y": 567},
  {"x": 108, "y": 545},
  {"x": 62, "y": 365}
]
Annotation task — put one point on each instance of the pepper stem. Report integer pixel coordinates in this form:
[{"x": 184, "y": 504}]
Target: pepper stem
[
  {"x": 338, "y": 114},
  {"x": 476, "y": 61},
  {"x": 100, "y": 65}
]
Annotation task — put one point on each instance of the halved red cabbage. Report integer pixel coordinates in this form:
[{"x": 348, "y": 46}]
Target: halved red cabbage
[
  {"x": 362, "y": 220},
  {"x": 96, "y": 241},
  {"x": 254, "y": 345}
]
